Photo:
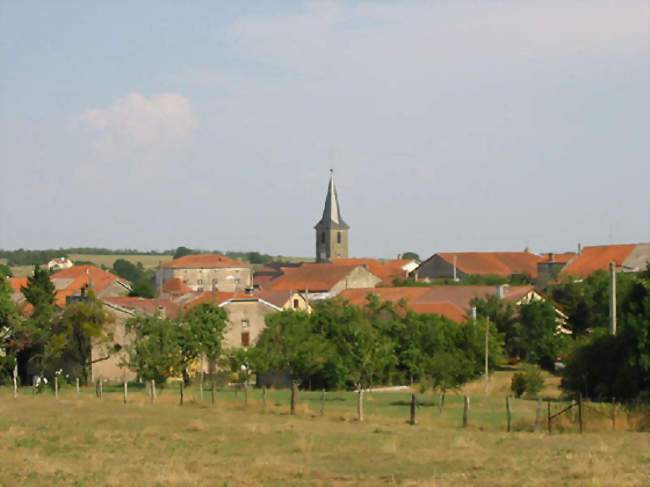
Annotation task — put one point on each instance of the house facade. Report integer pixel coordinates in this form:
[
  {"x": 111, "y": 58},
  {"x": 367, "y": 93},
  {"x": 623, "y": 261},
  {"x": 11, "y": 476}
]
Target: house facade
[{"x": 203, "y": 272}]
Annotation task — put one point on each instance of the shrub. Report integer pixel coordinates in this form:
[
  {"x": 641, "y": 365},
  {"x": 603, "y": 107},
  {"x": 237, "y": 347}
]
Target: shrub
[
  {"x": 518, "y": 384},
  {"x": 530, "y": 381}
]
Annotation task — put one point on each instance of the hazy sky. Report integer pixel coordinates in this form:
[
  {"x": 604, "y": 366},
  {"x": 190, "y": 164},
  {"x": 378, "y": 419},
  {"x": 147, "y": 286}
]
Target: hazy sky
[{"x": 451, "y": 125}]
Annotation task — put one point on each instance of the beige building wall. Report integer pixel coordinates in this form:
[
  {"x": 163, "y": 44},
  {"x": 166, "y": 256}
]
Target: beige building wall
[
  {"x": 360, "y": 277},
  {"x": 245, "y": 318},
  {"x": 226, "y": 279},
  {"x": 110, "y": 368}
]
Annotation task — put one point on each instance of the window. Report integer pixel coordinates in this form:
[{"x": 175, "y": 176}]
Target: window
[
  {"x": 245, "y": 338},
  {"x": 338, "y": 237},
  {"x": 295, "y": 304},
  {"x": 322, "y": 237},
  {"x": 199, "y": 282},
  {"x": 199, "y": 289},
  {"x": 244, "y": 323}
]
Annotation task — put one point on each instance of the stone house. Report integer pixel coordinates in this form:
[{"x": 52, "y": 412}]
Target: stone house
[{"x": 203, "y": 272}]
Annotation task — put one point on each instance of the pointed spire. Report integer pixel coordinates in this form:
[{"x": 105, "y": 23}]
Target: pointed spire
[{"x": 331, "y": 212}]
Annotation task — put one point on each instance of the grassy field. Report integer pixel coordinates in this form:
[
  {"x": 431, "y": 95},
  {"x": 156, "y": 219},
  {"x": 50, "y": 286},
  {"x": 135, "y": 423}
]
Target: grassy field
[
  {"x": 148, "y": 261},
  {"x": 84, "y": 441}
]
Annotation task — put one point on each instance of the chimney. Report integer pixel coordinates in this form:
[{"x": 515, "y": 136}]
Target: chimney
[
  {"x": 551, "y": 257},
  {"x": 399, "y": 256},
  {"x": 579, "y": 248}
]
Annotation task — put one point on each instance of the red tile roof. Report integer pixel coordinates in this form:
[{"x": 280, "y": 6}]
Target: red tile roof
[
  {"x": 501, "y": 264},
  {"x": 562, "y": 258},
  {"x": 17, "y": 282},
  {"x": 597, "y": 258},
  {"x": 176, "y": 287},
  {"x": 70, "y": 281},
  {"x": 448, "y": 310},
  {"x": 204, "y": 260},
  {"x": 451, "y": 301},
  {"x": 386, "y": 272},
  {"x": 314, "y": 277},
  {"x": 190, "y": 300}
]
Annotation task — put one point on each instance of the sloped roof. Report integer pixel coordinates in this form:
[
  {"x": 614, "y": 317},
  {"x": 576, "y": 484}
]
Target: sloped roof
[
  {"x": 501, "y": 264},
  {"x": 147, "y": 306},
  {"x": 386, "y": 272},
  {"x": 597, "y": 258},
  {"x": 332, "y": 212},
  {"x": 203, "y": 260},
  {"x": 449, "y": 310},
  {"x": 561, "y": 258},
  {"x": 314, "y": 277},
  {"x": 450, "y": 301},
  {"x": 69, "y": 282},
  {"x": 176, "y": 286},
  {"x": 192, "y": 299},
  {"x": 277, "y": 297}
]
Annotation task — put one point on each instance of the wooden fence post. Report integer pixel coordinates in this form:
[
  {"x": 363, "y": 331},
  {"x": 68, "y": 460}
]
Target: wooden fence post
[
  {"x": 322, "y": 403},
  {"x": 580, "y": 413},
  {"x": 101, "y": 389},
  {"x": 15, "y": 380},
  {"x": 126, "y": 391},
  {"x": 294, "y": 386},
  {"x": 212, "y": 392},
  {"x": 360, "y": 404},
  {"x": 56, "y": 386},
  {"x": 201, "y": 387},
  {"x": 613, "y": 413},
  {"x": 264, "y": 398},
  {"x": 548, "y": 417},
  {"x": 508, "y": 414},
  {"x": 76, "y": 385},
  {"x": 246, "y": 394},
  {"x": 34, "y": 386},
  {"x": 538, "y": 415},
  {"x": 414, "y": 403},
  {"x": 466, "y": 412}
]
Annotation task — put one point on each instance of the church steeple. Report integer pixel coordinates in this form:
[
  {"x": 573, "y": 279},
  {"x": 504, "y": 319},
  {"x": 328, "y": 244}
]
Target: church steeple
[{"x": 331, "y": 230}]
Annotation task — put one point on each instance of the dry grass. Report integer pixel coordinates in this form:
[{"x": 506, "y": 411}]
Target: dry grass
[{"x": 87, "y": 442}]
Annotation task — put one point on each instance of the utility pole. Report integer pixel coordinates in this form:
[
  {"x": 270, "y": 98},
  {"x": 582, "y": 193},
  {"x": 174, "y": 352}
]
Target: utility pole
[
  {"x": 612, "y": 298},
  {"x": 487, "y": 329}
]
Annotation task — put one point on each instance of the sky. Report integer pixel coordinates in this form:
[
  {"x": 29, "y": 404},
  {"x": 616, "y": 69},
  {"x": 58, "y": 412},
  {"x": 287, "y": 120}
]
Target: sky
[{"x": 450, "y": 125}]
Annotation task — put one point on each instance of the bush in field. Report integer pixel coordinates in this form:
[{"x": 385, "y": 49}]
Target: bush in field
[
  {"x": 518, "y": 384},
  {"x": 530, "y": 381}
]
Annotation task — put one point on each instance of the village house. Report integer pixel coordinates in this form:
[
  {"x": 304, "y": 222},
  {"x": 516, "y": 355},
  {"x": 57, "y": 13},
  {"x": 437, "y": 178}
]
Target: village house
[
  {"x": 69, "y": 283},
  {"x": 453, "y": 302},
  {"x": 627, "y": 258},
  {"x": 203, "y": 272},
  {"x": 321, "y": 281},
  {"x": 459, "y": 265}
]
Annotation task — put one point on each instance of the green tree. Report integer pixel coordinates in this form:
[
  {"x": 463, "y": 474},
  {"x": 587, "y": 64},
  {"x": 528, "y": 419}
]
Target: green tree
[
  {"x": 155, "y": 352},
  {"x": 5, "y": 271},
  {"x": 200, "y": 334},
  {"x": 448, "y": 371},
  {"x": 9, "y": 319},
  {"x": 182, "y": 252},
  {"x": 411, "y": 255},
  {"x": 127, "y": 270},
  {"x": 290, "y": 343},
  {"x": 34, "y": 333},
  {"x": 143, "y": 287},
  {"x": 538, "y": 342},
  {"x": 81, "y": 325}
]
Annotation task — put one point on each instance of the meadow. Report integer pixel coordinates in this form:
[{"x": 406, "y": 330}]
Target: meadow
[{"x": 81, "y": 440}]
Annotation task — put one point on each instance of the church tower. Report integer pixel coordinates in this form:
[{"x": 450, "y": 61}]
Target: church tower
[{"x": 331, "y": 230}]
